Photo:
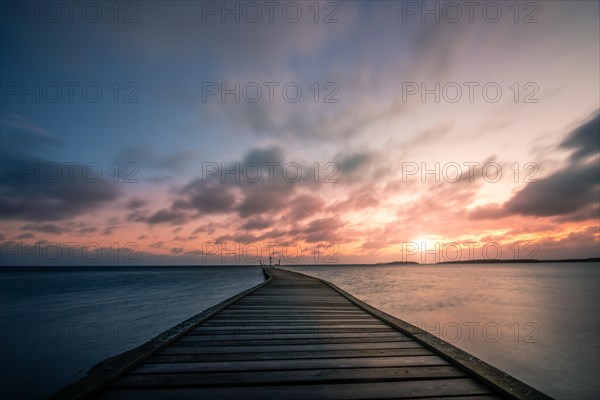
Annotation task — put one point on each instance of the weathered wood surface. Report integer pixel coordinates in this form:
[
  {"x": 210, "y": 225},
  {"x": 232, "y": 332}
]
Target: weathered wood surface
[{"x": 297, "y": 337}]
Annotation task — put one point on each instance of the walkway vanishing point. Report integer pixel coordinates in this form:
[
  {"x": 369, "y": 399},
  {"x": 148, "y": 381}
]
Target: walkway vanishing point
[{"x": 296, "y": 337}]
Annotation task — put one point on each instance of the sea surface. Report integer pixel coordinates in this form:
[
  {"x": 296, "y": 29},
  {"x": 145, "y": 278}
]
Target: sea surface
[
  {"x": 538, "y": 322},
  {"x": 57, "y": 323}
]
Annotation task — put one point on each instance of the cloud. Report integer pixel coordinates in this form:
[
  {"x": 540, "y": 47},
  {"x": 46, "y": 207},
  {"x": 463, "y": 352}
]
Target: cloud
[
  {"x": 166, "y": 216},
  {"x": 47, "y": 228},
  {"x": 262, "y": 156},
  {"x": 264, "y": 199},
  {"x": 234, "y": 43},
  {"x": 304, "y": 206},
  {"x": 134, "y": 204},
  {"x": 208, "y": 228},
  {"x": 224, "y": 193},
  {"x": 570, "y": 193},
  {"x": 321, "y": 230},
  {"x": 38, "y": 189},
  {"x": 585, "y": 140},
  {"x": 257, "y": 223},
  {"x": 366, "y": 196},
  {"x": 51, "y": 201},
  {"x": 21, "y": 134},
  {"x": 567, "y": 191},
  {"x": 254, "y": 207},
  {"x": 348, "y": 163},
  {"x": 87, "y": 230},
  {"x": 206, "y": 197},
  {"x": 146, "y": 155}
]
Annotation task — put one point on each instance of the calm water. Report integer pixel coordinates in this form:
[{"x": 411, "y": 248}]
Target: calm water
[
  {"x": 56, "y": 324},
  {"x": 538, "y": 322}
]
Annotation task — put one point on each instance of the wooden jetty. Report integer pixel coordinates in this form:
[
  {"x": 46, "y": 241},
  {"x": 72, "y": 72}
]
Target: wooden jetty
[{"x": 296, "y": 337}]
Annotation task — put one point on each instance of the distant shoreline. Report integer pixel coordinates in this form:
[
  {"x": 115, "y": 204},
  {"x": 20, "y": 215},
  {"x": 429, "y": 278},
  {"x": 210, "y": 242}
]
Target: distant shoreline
[
  {"x": 482, "y": 261},
  {"x": 593, "y": 259},
  {"x": 406, "y": 263}
]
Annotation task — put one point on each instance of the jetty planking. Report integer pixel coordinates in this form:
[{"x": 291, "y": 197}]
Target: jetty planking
[{"x": 296, "y": 337}]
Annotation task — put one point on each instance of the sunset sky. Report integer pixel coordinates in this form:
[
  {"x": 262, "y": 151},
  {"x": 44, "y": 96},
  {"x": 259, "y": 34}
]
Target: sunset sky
[{"x": 160, "y": 124}]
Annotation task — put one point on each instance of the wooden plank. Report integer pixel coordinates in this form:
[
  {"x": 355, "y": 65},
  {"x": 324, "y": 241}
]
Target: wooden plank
[
  {"x": 346, "y": 391},
  {"x": 290, "y": 321},
  {"x": 296, "y": 316},
  {"x": 353, "y": 375},
  {"x": 270, "y": 329},
  {"x": 330, "y": 305},
  {"x": 317, "y": 335},
  {"x": 290, "y": 348},
  {"x": 274, "y": 365},
  {"x": 298, "y": 295},
  {"x": 258, "y": 312},
  {"x": 301, "y": 299},
  {"x": 302, "y": 308},
  {"x": 312, "y": 325},
  {"x": 295, "y": 295},
  {"x": 304, "y": 325},
  {"x": 287, "y": 341},
  {"x": 175, "y": 358}
]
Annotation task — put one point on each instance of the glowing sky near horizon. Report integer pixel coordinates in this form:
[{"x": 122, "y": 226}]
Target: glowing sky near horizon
[{"x": 161, "y": 118}]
